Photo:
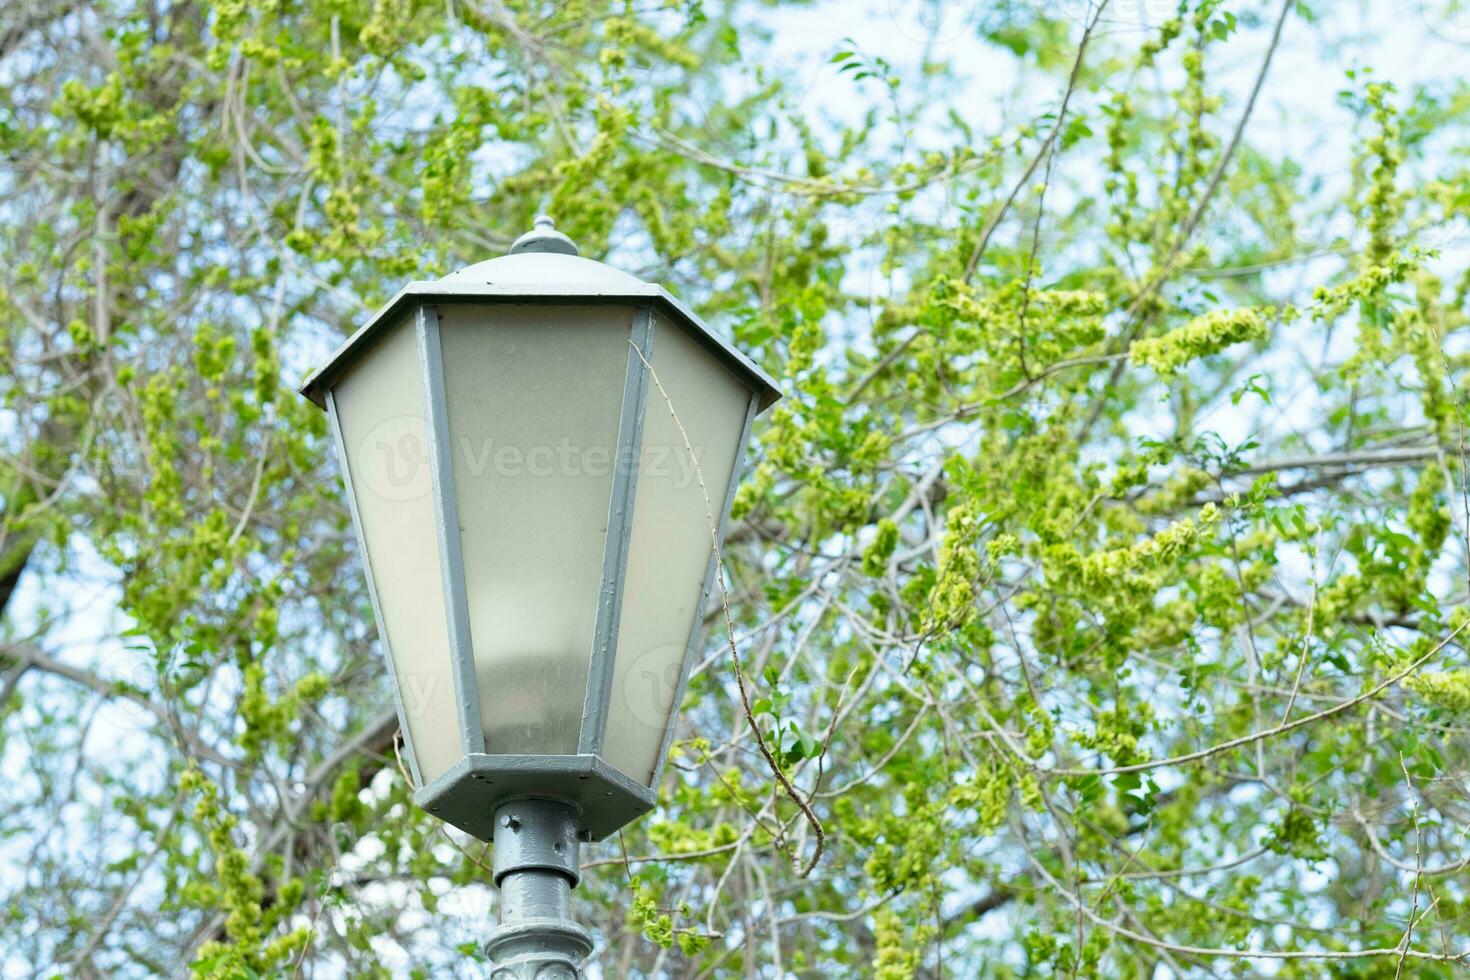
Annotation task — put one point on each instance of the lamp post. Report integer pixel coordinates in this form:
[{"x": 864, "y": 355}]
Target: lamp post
[{"x": 536, "y": 451}]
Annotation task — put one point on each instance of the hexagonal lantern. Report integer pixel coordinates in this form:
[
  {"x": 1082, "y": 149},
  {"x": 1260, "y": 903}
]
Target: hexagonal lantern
[{"x": 534, "y": 449}]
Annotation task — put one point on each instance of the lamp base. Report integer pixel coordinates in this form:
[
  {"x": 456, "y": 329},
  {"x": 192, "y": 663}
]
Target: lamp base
[
  {"x": 471, "y": 793},
  {"x": 538, "y": 949},
  {"x": 536, "y": 867}
]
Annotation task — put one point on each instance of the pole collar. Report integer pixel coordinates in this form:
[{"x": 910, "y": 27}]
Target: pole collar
[{"x": 537, "y": 835}]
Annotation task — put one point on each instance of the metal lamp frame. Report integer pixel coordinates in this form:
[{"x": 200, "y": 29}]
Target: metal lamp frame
[{"x": 469, "y": 793}]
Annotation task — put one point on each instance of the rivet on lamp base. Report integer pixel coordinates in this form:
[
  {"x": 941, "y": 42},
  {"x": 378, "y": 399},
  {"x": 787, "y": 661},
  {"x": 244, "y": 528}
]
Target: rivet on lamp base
[{"x": 536, "y": 867}]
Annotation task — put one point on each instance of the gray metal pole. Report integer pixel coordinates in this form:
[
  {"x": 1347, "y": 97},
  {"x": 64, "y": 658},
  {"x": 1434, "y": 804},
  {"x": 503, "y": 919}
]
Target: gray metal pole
[{"x": 536, "y": 867}]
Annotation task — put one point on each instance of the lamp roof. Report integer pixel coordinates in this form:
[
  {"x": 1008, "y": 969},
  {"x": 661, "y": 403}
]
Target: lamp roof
[{"x": 543, "y": 267}]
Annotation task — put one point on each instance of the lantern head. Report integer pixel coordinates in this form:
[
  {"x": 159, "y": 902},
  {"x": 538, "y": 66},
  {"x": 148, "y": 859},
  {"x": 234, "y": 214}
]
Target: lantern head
[{"x": 540, "y": 453}]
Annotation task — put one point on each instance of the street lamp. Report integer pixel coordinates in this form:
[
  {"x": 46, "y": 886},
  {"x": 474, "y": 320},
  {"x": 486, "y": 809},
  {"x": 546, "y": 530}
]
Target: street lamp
[{"x": 539, "y": 452}]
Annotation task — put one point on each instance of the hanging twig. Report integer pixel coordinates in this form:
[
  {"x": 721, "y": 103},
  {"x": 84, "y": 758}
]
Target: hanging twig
[{"x": 714, "y": 536}]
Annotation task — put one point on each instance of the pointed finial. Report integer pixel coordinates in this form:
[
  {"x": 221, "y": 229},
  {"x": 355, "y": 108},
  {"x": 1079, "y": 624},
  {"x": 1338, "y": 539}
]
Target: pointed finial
[{"x": 543, "y": 237}]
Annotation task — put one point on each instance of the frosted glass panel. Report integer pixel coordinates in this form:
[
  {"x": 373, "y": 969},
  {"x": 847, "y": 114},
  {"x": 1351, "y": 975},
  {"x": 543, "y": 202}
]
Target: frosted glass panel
[
  {"x": 534, "y": 396},
  {"x": 670, "y": 548},
  {"x": 380, "y": 408}
]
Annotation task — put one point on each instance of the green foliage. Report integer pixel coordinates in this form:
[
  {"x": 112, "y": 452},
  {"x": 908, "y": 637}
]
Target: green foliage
[
  {"x": 1207, "y": 334},
  {"x": 1445, "y": 689},
  {"x": 898, "y": 950},
  {"x": 1100, "y": 578}
]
